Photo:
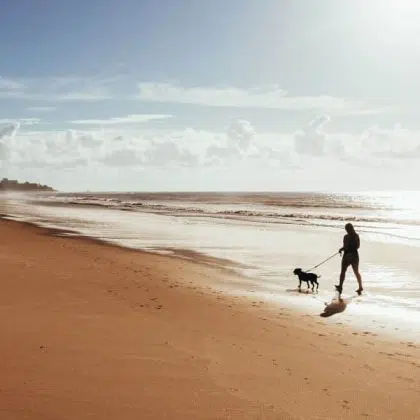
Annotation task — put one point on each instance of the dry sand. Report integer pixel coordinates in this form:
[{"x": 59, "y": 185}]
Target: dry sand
[{"x": 93, "y": 331}]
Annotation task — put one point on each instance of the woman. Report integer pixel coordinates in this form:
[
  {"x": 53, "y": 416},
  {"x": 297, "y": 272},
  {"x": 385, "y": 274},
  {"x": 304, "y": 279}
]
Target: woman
[{"x": 351, "y": 244}]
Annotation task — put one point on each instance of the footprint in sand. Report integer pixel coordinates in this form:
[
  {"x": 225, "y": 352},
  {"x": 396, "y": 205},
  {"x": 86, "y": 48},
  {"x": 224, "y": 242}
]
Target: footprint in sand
[
  {"x": 405, "y": 379},
  {"x": 345, "y": 404},
  {"x": 368, "y": 367}
]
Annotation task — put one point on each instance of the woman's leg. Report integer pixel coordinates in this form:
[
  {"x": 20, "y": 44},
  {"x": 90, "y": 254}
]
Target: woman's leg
[
  {"x": 355, "y": 267},
  {"x": 344, "y": 265}
]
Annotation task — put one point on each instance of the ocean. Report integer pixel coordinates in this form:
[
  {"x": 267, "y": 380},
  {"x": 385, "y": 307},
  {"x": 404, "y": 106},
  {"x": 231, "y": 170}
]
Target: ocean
[{"x": 263, "y": 236}]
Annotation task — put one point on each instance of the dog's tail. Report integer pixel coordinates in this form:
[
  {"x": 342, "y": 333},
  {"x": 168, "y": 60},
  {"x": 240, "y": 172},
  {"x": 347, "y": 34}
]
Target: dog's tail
[{"x": 318, "y": 276}]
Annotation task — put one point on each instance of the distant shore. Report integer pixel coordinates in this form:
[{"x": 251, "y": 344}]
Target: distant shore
[
  {"x": 14, "y": 185},
  {"x": 94, "y": 331}
]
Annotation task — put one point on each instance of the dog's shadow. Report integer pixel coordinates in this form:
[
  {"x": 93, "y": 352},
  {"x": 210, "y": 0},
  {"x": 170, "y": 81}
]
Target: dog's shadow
[
  {"x": 304, "y": 291},
  {"x": 336, "y": 306}
]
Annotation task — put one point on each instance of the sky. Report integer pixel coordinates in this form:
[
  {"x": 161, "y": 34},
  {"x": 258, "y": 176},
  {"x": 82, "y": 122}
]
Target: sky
[{"x": 187, "y": 95}]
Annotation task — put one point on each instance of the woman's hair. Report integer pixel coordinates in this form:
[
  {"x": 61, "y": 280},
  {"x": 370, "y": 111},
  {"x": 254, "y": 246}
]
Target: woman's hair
[{"x": 350, "y": 228}]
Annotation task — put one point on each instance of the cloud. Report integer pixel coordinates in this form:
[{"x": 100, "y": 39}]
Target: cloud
[
  {"x": 105, "y": 88},
  {"x": 4, "y": 152},
  {"x": 374, "y": 147},
  {"x": 241, "y": 133},
  {"x": 394, "y": 143},
  {"x": 41, "y": 108},
  {"x": 169, "y": 153},
  {"x": 242, "y": 144},
  {"x": 231, "y": 145},
  {"x": 47, "y": 163},
  {"x": 8, "y": 129},
  {"x": 239, "y": 150},
  {"x": 93, "y": 95},
  {"x": 76, "y": 96},
  {"x": 270, "y": 97},
  {"x": 9, "y": 84},
  {"x": 129, "y": 119},
  {"x": 59, "y": 89},
  {"x": 312, "y": 139},
  {"x": 122, "y": 157}
]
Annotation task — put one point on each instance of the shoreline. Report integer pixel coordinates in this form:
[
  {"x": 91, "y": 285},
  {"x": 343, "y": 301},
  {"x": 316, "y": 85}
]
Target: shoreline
[
  {"x": 99, "y": 331},
  {"x": 191, "y": 256},
  {"x": 375, "y": 311},
  {"x": 389, "y": 305}
]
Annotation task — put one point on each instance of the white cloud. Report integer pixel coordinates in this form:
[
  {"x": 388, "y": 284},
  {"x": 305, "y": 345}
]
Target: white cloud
[
  {"x": 241, "y": 143},
  {"x": 160, "y": 153},
  {"x": 8, "y": 129},
  {"x": 260, "y": 97},
  {"x": 59, "y": 89},
  {"x": 76, "y": 96},
  {"x": 129, "y": 119},
  {"x": 311, "y": 140},
  {"x": 122, "y": 157},
  {"x": 372, "y": 148},
  {"x": 41, "y": 108},
  {"x": 241, "y": 133},
  {"x": 395, "y": 142},
  {"x": 22, "y": 121},
  {"x": 234, "y": 144},
  {"x": 105, "y": 88},
  {"x": 239, "y": 148},
  {"x": 9, "y": 84},
  {"x": 93, "y": 95}
]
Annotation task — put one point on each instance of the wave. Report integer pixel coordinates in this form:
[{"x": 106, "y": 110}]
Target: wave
[
  {"x": 267, "y": 199},
  {"x": 239, "y": 211}
]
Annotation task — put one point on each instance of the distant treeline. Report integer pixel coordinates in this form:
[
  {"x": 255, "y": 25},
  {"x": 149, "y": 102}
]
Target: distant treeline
[{"x": 12, "y": 184}]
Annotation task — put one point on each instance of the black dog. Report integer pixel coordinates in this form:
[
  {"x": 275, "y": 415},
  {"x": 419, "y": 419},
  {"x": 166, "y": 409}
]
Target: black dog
[{"x": 308, "y": 277}]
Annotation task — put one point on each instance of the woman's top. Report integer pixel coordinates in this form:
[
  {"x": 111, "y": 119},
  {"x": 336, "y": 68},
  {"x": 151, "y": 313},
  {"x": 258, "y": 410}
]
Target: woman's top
[{"x": 351, "y": 243}]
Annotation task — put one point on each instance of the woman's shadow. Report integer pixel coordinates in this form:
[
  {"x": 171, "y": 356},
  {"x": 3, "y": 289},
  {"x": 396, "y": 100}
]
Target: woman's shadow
[{"x": 336, "y": 306}]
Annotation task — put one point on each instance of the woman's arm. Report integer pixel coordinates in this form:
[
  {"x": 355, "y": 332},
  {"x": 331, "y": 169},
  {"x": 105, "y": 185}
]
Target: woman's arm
[{"x": 344, "y": 245}]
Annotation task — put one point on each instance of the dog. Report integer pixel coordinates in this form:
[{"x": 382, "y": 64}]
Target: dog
[{"x": 307, "y": 277}]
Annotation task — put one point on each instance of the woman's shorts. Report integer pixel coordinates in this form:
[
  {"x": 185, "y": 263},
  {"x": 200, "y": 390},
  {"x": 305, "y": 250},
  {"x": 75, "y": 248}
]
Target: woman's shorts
[{"x": 352, "y": 258}]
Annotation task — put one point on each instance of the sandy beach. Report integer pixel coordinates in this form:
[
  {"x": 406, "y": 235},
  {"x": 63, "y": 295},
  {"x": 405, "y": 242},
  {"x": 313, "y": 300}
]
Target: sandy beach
[{"x": 95, "y": 331}]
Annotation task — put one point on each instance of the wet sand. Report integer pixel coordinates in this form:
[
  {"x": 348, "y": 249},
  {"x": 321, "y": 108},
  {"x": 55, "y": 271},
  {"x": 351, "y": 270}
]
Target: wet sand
[{"x": 94, "y": 331}]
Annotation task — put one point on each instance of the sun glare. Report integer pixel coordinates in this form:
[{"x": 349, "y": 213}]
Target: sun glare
[
  {"x": 395, "y": 7},
  {"x": 398, "y": 12},
  {"x": 397, "y": 20}
]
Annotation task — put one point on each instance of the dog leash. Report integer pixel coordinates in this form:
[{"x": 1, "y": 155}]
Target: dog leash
[{"x": 323, "y": 262}]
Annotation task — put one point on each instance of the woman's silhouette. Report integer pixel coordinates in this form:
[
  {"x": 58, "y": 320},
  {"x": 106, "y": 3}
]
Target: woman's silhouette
[{"x": 351, "y": 244}]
